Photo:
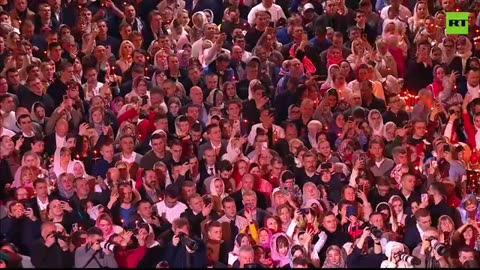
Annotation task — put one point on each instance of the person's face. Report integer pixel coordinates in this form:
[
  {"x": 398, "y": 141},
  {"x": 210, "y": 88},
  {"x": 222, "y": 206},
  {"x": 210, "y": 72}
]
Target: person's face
[
  {"x": 365, "y": 91},
  {"x": 13, "y": 78},
  {"x": 468, "y": 233},
  {"x": 41, "y": 189},
  {"x": 97, "y": 117},
  {"x": 247, "y": 183},
  {"x": 151, "y": 179},
  {"x": 127, "y": 145},
  {"x": 27, "y": 176},
  {"x": 230, "y": 209},
  {"x": 78, "y": 170},
  {"x": 310, "y": 191},
  {"x": 446, "y": 226},
  {"x": 285, "y": 215},
  {"x": 309, "y": 164},
  {"x": 21, "y": 5},
  {"x": 246, "y": 257},
  {"x": 212, "y": 82},
  {"x": 272, "y": 225},
  {"x": 263, "y": 237},
  {"x": 26, "y": 124},
  {"x": 145, "y": 210},
  {"x": 377, "y": 221},
  {"x": 261, "y": 20},
  {"x": 129, "y": 12},
  {"x": 408, "y": 183},
  {"x": 330, "y": 223},
  {"x": 105, "y": 226},
  {"x": 349, "y": 194},
  {"x": 127, "y": 194},
  {"x": 127, "y": 50},
  {"x": 18, "y": 210},
  {"x": 473, "y": 78},
  {"x": 420, "y": 129},
  {"x": 215, "y": 233},
  {"x": 219, "y": 187},
  {"x": 424, "y": 222},
  {"x": 55, "y": 208},
  {"x": 333, "y": 256},
  {"x": 465, "y": 256},
  {"x": 81, "y": 187},
  {"x": 196, "y": 204},
  {"x": 397, "y": 206},
  {"x": 324, "y": 148}
]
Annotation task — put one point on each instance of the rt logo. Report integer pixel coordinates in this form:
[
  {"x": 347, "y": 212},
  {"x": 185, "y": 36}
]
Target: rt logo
[{"x": 457, "y": 23}]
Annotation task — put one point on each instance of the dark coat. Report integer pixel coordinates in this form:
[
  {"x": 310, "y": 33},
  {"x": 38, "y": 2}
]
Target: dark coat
[
  {"x": 177, "y": 256},
  {"x": 52, "y": 257}
]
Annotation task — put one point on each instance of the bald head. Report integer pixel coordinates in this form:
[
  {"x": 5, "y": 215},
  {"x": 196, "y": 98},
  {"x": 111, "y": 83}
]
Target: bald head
[{"x": 196, "y": 94}]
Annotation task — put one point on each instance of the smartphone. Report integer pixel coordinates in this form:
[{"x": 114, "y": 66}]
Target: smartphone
[
  {"x": 304, "y": 211},
  {"x": 144, "y": 100},
  {"x": 424, "y": 197},
  {"x": 65, "y": 97},
  {"x": 350, "y": 118},
  {"x": 446, "y": 148},
  {"x": 271, "y": 24},
  {"x": 361, "y": 187},
  {"x": 106, "y": 121},
  {"x": 207, "y": 200},
  {"x": 326, "y": 166}
]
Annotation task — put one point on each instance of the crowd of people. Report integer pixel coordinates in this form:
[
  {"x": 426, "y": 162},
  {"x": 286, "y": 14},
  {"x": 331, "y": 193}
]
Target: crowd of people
[{"x": 239, "y": 133}]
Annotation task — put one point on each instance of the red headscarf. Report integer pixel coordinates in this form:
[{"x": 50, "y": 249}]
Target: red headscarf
[{"x": 332, "y": 59}]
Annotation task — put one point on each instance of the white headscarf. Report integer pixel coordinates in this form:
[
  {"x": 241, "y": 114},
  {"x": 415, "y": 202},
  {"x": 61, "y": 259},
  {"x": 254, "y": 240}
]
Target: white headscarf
[{"x": 376, "y": 130}]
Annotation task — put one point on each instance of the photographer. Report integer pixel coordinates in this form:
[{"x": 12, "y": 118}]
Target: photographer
[
  {"x": 92, "y": 255},
  {"x": 357, "y": 259},
  {"x": 183, "y": 251},
  {"x": 393, "y": 251},
  {"x": 430, "y": 251},
  {"x": 51, "y": 251},
  {"x": 21, "y": 227}
]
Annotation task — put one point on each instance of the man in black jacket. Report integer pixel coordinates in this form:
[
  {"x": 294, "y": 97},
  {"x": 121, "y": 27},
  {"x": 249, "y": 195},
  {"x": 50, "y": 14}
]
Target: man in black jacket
[
  {"x": 51, "y": 251},
  {"x": 248, "y": 181},
  {"x": 197, "y": 213}
]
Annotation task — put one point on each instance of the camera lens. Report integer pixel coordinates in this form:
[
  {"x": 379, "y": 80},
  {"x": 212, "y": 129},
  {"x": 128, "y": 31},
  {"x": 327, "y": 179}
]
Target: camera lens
[{"x": 376, "y": 232}]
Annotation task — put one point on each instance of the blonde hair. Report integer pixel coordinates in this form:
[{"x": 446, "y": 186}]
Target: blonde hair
[{"x": 122, "y": 45}]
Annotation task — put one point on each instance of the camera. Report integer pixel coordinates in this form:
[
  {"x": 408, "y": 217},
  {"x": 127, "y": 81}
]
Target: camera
[
  {"x": 376, "y": 232},
  {"x": 440, "y": 248},
  {"x": 187, "y": 241},
  {"x": 326, "y": 166},
  {"x": 410, "y": 259},
  {"x": 59, "y": 235},
  {"x": 109, "y": 246}
]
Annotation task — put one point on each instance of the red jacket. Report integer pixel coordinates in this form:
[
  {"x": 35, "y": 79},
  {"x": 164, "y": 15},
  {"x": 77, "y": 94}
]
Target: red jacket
[{"x": 130, "y": 258}]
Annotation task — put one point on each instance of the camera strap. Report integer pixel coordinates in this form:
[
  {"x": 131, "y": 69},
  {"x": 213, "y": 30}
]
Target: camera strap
[{"x": 94, "y": 257}]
